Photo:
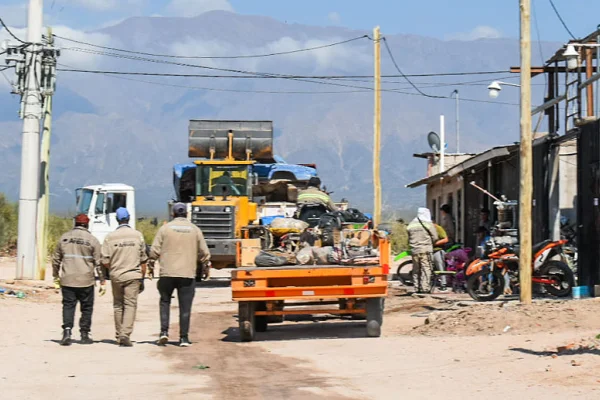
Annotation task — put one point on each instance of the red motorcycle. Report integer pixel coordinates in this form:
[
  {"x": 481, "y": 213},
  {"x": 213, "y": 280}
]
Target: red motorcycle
[{"x": 498, "y": 269}]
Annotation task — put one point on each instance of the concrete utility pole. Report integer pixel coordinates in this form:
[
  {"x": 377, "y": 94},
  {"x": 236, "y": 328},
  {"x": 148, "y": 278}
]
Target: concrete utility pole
[
  {"x": 44, "y": 201},
  {"x": 30, "y": 152},
  {"x": 526, "y": 184},
  {"x": 377, "y": 129},
  {"x": 455, "y": 93}
]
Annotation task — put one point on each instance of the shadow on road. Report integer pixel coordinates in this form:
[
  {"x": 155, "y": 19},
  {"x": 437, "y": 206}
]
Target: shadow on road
[
  {"x": 568, "y": 352},
  {"x": 303, "y": 331},
  {"x": 214, "y": 283}
]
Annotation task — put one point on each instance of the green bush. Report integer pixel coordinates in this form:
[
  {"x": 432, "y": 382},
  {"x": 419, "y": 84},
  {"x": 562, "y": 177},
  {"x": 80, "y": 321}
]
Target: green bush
[
  {"x": 399, "y": 237},
  {"x": 148, "y": 229},
  {"x": 57, "y": 226},
  {"x": 8, "y": 223}
]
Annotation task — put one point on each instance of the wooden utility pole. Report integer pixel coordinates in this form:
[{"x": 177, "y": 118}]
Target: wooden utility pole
[
  {"x": 377, "y": 129},
  {"x": 526, "y": 184}
]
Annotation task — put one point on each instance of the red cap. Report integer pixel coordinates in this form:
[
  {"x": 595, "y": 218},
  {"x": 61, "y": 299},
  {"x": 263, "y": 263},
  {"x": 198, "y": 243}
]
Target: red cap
[{"x": 82, "y": 219}]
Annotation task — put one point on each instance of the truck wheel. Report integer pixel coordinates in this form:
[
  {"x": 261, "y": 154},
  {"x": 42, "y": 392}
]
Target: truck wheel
[
  {"x": 260, "y": 321},
  {"x": 246, "y": 319},
  {"x": 374, "y": 316}
]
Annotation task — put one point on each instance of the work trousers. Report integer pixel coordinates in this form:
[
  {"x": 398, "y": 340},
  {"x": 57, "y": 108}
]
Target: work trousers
[
  {"x": 186, "y": 288},
  {"x": 439, "y": 260},
  {"x": 421, "y": 273},
  {"x": 125, "y": 296},
  {"x": 85, "y": 297}
]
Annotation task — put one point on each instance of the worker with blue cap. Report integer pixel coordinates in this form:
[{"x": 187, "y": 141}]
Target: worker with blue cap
[{"x": 124, "y": 255}]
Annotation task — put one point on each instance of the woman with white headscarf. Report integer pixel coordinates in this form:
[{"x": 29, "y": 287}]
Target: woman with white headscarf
[{"x": 422, "y": 235}]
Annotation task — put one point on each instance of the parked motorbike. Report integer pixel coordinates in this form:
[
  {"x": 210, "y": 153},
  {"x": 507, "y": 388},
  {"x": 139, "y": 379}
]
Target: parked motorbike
[
  {"x": 404, "y": 264},
  {"x": 499, "y": 268}
]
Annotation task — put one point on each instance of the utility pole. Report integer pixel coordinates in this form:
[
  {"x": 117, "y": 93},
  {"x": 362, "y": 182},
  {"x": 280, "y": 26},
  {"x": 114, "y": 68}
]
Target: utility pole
[
  {"x": 49, "y": 63},
  {"x": 377, "y": 129},
  {"x": 30, "y": 152},
  {"x": 455, "y": 93},
  {"x": 526, "y": 163},
  {"x": 442, "y": 145}
]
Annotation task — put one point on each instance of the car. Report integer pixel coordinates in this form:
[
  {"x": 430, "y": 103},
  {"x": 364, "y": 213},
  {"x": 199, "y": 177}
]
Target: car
[{"x": 281, "y": 170}]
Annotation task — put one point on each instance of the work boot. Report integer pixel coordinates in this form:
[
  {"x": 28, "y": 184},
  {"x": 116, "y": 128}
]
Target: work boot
[
  {"x": 66, "y": 339},
  {"x": 163, "y": 338},
  {"x": 184, "y": 342},
  {"x": 86, "y": 338},
  {"x": 125, "y": 342}
]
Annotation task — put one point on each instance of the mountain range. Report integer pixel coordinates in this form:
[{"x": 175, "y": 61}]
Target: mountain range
[{"x": 132, "y": 129}]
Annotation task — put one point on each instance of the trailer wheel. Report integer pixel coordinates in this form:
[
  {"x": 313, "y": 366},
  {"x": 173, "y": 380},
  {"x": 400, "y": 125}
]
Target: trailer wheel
[
  {"x": 246, "y": 319},
  {"x": 374, "y": 316},
  {"x": 260, "y": 321}
]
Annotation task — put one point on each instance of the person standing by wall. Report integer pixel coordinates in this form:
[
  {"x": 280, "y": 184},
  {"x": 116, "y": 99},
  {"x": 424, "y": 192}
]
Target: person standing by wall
[
  {"x": 447, "y": 222},
  {"x": 124, "y": 255},
  {"x": 422, "y": 235},
  {"x": 179, "y": 247},
  {"x": 76, "y": 257}
]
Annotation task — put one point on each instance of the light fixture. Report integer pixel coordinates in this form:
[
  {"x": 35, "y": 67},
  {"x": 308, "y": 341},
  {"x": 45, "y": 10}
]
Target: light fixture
[
  {"x": 494, "y": 89},
  {"x": 572, "y": 57}
]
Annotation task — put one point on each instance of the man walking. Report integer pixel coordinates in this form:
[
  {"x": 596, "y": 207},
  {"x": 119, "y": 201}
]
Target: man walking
[
  {"x": 422, "y": 235},
  {"x": 124, "y": 255},
  {"x": 447, "y": 222},
  {"x": 76, "y": 257},
  {"x": 180, "y": 247}
]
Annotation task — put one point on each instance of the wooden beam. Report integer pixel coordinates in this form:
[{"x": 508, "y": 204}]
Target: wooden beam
[{"x": 538, "y": 70}]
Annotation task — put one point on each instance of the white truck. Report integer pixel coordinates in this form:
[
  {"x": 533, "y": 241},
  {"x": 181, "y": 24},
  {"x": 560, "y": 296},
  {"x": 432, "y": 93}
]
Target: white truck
[{"x": 100, "y": 204}]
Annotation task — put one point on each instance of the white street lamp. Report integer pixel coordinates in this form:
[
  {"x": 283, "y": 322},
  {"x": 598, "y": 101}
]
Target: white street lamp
[
  {"x": 572, "y": 57},
  {"x": 496, "y": 86}
]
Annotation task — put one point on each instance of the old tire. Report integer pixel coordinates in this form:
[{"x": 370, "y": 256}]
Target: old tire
[
  {"x": 260, "y": 321},
  {"x": 485, "y": 290},
  {"x": 374, "y": 317},
  {"x": 246, "y": 320},
  {"x": 562, "y": 275}
]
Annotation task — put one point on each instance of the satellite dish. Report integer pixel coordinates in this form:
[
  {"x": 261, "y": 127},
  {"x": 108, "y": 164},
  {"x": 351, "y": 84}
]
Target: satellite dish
[{"x": 434, "y": 141}]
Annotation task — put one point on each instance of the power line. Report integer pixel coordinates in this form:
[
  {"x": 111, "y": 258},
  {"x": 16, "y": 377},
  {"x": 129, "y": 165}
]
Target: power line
[
  {"x": 215, "y": 57},
  {"x": 10, "y": 32},
  {"x": 404, "y": 76},
  {"x": 562, "y": 21}
]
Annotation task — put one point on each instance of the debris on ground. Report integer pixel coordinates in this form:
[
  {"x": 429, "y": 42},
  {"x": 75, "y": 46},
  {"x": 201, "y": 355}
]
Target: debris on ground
[{"x": 512, "y": 318}]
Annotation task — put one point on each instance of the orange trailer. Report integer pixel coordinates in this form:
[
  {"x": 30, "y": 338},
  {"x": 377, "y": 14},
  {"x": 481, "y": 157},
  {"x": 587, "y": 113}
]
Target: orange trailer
[{"x": 267, "y": 294}]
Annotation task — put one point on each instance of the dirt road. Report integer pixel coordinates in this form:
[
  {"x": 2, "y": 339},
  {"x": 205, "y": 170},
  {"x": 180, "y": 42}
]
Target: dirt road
[{"x": 463, "y": 351}]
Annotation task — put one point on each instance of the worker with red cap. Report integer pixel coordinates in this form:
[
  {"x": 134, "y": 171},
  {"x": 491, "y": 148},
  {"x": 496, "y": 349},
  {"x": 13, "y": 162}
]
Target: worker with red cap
[{"x": 75, "y": 259}]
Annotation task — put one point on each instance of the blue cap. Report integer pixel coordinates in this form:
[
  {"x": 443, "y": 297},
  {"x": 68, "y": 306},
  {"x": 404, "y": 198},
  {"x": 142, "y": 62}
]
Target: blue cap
[
  {"x": 179, "y": 209},
  {"x": 122, "y": 214}
]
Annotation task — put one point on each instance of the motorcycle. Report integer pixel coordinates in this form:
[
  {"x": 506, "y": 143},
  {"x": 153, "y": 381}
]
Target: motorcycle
[
  {"x": 498, "y": 269},
  {"x": 405, "y": 266}
]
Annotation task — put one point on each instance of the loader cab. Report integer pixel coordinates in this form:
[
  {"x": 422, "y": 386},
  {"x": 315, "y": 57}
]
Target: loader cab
[
  {"x": 223, "y": 180},
  {"x": 100, "y": 204}
]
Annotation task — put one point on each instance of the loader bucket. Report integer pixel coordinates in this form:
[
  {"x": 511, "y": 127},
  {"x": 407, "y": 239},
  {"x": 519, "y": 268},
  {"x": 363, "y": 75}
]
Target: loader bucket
[{"x": 210, "y": 139}]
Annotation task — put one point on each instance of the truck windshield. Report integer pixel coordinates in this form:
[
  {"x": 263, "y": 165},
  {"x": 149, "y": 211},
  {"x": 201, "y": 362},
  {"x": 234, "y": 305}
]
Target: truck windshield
[
  {"x": 84, "y": 201},
  {"x": 219, "y": 180}
]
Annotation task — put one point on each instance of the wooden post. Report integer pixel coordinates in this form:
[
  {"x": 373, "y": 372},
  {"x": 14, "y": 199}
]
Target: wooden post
[
  {"x": 589, "y": 72},
  {"x": 526, "y": 164},
  {"x": 377, "y": 129}
]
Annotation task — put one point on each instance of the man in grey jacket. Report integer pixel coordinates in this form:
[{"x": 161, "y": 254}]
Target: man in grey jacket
[
  {"x": 179, "y": 247},
  {"x": 76, "y": 257}
]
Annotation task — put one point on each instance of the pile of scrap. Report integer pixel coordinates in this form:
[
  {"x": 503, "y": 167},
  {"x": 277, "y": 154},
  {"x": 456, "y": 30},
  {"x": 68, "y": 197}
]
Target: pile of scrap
[{"x": 340, "y": 238}]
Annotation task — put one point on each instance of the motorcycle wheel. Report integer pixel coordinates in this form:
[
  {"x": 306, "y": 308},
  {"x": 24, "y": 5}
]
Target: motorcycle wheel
[
  {"x": 404, "y": 273},
  {"x": 562, "y": 275},
  {"x": 481, "y": 288}
]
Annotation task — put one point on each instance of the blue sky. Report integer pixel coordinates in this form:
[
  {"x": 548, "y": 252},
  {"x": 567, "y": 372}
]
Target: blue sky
[{"x": 444, "y": 19}]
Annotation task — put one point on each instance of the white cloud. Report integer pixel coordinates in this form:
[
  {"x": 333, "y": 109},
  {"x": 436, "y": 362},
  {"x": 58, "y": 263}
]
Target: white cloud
[
  {"x": 334, "y": 18},
  {"x": 191, "y": 8},
  {"x": 479, "y": 32},
  {"x": 76, "y": 58},
  {"x": 105, "y": 5}
]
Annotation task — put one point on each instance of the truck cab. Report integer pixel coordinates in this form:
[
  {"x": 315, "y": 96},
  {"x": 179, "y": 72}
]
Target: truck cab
[{"x": 100, "y": 204}]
